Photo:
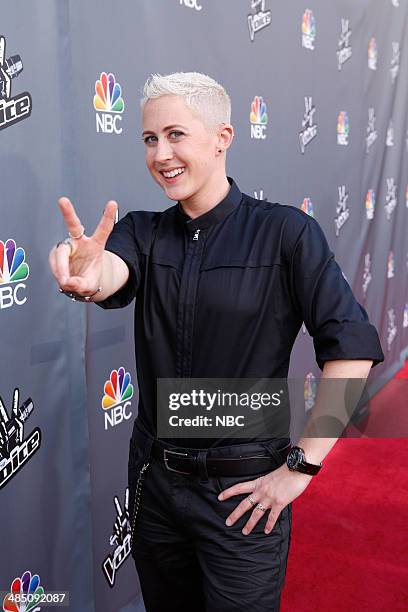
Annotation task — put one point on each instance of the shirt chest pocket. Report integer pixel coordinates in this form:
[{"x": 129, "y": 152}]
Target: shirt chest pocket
[{"x": 242, "y": 288}]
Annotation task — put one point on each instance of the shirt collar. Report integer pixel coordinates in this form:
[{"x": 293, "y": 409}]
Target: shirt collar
[{"x": 215, "y": 214}]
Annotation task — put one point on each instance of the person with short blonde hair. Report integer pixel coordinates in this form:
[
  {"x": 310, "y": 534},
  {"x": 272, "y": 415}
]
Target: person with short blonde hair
[
  {"x": 202, "y": 93},
  {"x": 222, "y": 283}
]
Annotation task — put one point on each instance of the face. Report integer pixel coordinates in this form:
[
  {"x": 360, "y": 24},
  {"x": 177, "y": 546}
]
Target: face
[{"x": 181, "y": 153}]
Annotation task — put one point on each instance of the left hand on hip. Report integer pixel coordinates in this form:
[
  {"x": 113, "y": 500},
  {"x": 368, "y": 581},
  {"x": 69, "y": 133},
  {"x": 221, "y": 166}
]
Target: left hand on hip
[{"x": 273, "y": 492}]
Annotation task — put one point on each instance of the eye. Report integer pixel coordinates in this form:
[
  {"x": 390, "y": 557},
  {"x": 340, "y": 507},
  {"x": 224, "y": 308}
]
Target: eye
[
  {"x": 176, "y": 133},
  {"x": 148, "y": 139}
]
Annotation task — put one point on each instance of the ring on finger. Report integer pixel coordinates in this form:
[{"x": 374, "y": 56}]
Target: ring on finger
[
  {"x": 82, "y": 232},
  {"x": 76, "y": 297},
  {"x": 251, "y": 501},
  {"x": 261, "y": 507}
]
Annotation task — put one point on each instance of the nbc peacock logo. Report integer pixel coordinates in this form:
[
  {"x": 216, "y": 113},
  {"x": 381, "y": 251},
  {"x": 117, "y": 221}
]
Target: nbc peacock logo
[
  {"x": 405, "y": 317},
  {"x": 390, "y": 265},
  {"x": 258, "y": 118},
  {"x": 307, "y": 207},
  {"x": 109, "y": 104},
  {"x": 118, "y": 391},
  {"x": 308, "y": 30},
  {"x": 372, "y": 54},
  {"x": 13, "y": 270},
  {"x": 25, "y": 594},
  {"x": 309, "y": 391},
  {"x": 343, "y": 128},
  {"x": 370, "y": 204}
]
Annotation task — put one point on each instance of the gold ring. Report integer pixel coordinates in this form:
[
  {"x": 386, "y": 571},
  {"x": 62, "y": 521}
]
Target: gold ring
[{"x": 251, "y": 501}]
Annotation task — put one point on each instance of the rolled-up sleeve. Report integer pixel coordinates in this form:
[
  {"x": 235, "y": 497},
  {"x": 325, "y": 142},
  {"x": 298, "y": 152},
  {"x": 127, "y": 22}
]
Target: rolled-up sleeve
[
  {"x": 123, "y": 243},
  {"x": 339, "y": 325}
]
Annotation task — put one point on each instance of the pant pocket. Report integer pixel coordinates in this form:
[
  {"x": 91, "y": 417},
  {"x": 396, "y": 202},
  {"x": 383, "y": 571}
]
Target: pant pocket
[
  {"x": 268, "y": 450},
  {"x": 224, "y": 482}
]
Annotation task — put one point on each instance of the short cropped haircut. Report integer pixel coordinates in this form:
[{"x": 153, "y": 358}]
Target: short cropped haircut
[{"x": 202, "y": 93}]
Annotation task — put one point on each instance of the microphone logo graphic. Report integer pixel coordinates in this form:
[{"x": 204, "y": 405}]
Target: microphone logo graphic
[
  {"x": 120, "y": 539},
  {"x": 14, "y": 450},
  {"x": 12, "y": 109}
]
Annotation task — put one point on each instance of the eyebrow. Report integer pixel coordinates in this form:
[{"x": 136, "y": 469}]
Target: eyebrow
[{"x": 169, "y": 127}]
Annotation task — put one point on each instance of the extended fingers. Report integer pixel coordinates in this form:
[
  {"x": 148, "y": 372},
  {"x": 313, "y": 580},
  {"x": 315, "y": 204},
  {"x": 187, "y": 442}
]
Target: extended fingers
[
  {"x": 259, "y": 509},
  {"x": 259, "y": 501},
  {"x": 106, "y": 224},
  {"x": 246, "y": 504},
  {"x": 272, "y": 518},
  {"x": 240, "y": 487},
  {"x": 71, "y": 218}
]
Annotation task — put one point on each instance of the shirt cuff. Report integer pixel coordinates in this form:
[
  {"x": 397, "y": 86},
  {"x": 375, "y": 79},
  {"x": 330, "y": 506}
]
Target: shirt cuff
[{"x": 347, "y": 340}]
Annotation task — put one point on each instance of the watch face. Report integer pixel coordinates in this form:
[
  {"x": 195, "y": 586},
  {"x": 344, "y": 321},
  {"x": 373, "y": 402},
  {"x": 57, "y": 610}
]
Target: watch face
[{"x": 294, "y": 458}]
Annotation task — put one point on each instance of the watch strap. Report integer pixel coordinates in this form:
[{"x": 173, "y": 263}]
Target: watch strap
[
  {"x": 302, "y": 465},
  {"x": 308, "y": 468}
]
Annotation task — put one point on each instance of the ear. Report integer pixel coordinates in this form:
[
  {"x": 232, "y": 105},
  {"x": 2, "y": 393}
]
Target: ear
[{"x": 225, "y": 136}]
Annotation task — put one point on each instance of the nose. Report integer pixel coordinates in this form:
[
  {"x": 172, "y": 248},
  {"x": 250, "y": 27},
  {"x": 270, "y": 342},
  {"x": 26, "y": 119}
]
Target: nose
[{"x": 163, "y": 150}]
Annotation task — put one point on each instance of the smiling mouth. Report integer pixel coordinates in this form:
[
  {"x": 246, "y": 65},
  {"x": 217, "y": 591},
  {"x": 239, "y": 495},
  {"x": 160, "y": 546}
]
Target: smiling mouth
[{"x": 172, "y": 174}]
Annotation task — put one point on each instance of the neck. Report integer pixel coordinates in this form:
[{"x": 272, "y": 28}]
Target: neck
[{"x": 206, "y": 199}]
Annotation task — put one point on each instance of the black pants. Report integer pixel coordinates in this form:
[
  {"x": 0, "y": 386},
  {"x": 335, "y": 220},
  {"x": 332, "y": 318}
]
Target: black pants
[{"x": 187, "y": 559}]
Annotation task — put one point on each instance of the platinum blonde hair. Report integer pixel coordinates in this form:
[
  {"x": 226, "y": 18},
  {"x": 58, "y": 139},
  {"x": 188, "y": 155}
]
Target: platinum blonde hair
[{"x": 202, "y": 93}]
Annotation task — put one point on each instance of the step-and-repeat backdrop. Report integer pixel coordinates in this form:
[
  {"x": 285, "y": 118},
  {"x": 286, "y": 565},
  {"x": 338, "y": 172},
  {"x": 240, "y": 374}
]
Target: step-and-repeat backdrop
[{"x": 320, "y": 95}]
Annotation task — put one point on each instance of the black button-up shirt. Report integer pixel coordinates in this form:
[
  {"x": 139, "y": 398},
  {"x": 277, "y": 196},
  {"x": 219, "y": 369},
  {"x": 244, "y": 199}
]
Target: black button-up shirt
[{"x": 224, "y": 295}]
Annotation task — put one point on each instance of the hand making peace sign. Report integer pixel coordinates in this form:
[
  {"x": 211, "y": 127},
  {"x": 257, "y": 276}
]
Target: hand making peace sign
[{"x": 77, "y": 263}]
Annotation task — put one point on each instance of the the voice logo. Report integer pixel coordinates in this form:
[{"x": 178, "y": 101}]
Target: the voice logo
[
  {"x": 15, "y": 451},
  {"x": 120, "y": 539},
  {"x": 12, "y": 109}
]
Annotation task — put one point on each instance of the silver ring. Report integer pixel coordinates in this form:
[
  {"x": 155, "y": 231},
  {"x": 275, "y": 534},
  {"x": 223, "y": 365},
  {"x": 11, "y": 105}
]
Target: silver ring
[
  {"x": 261, "y": 507},
  {"x": 76, "y": 297},
  {"x": 80, "y": 235},
  {"x": 251, "y": 501}
]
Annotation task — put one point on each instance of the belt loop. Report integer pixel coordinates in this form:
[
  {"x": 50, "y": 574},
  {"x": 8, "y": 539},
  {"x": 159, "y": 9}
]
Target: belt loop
[
  {"x": 202, "y": 465},
  {"x": 279, "y": 456}
]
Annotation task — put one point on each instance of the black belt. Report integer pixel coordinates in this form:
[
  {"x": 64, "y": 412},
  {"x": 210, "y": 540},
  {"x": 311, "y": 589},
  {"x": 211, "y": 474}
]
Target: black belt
[{"x": 185, "y": 461}]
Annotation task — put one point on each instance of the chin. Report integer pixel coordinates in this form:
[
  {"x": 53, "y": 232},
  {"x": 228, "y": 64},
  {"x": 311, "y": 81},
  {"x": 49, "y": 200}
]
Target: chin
[
  {"x": 172, "y": 196},
  {"x": 177, "y": 193}
]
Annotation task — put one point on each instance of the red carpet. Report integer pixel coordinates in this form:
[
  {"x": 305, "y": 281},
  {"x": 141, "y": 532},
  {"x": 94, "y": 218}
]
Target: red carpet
[{"x": 349, "y": 549}]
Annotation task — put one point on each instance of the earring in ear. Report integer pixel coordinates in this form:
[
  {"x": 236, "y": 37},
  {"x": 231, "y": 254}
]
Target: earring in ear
[{"x": 219, "y": 150}]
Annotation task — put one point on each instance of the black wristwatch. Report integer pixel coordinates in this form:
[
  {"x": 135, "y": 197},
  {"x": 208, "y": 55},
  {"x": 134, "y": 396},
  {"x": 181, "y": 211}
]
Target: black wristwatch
[{"x": 296, "y": 461}]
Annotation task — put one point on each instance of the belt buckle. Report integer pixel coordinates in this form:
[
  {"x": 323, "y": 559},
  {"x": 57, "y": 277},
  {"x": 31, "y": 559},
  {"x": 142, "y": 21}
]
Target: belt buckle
[{"x": 166, "y": 452}]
